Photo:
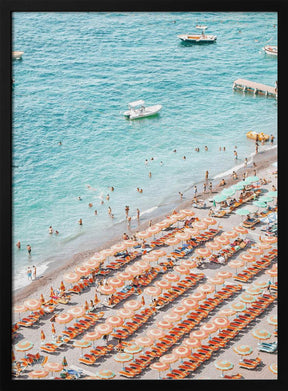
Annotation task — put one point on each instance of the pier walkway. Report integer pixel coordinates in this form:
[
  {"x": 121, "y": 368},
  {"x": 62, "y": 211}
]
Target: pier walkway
[{"x": 255, "y": 88}]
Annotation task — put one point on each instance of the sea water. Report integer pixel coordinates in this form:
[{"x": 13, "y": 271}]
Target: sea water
[{"x": 79, "y": 72}]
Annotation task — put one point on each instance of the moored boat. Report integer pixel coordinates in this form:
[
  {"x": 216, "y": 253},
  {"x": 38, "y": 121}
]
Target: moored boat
[
  {"x": 272, "y": 50},
  {"x": 17, "y": 55},
  {"x": 138, "y": 110},
  {"x": 198, "y": 38}
]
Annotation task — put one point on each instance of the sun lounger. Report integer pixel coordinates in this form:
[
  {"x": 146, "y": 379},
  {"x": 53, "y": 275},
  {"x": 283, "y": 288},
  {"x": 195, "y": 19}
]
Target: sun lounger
[{"x": 233, "y": 377}]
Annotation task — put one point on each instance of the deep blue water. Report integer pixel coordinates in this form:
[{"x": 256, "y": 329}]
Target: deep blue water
[{"x": 78, "y": 73}]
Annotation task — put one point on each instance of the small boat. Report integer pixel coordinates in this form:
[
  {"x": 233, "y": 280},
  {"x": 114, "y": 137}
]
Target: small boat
[
  {"x": 272, "y": 50},
  {"x": 198, "y": 38},
  {"x": 261, "y": 136},
  {"x": 138, "y": 110},
  {"x": 17, "y": 55}
]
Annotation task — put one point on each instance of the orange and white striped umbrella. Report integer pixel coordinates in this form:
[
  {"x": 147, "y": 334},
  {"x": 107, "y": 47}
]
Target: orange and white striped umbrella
[
  {"x": 241, "y": 230},
  {"x": 273, "y": 368},
  {"x": 38, "y": 374},
  {"x": 255, "y": 251},
  {"x": 159, "y": 366},
  {"x": 230, "y": 234},
  {"x": 76, "y": 311},
  {"x": 260, "y": 284},
  {"x": 188, "y": 263},
  {"x": 163, "y": 224},
  {"x": 221, "y": 322},
  {"x": 238, "y": 306},
  {"x": 124, "y": 313},
  {"x": 209, "y": 220},
  {"x": 187, "y": 212},
  {"x": 206, "y": 288},
  {"x": 171, "y": 277},
  {"x": 272, "y": 273},
  {"x": 131, "y": 243},
  {"x": 172, "y": 317},
  {"x": 181, "y": 269},
  {"x": 82, "y": 270},
  {"x": 107, "y": 252},
  {"x": 92, "y": 263},
  {"x": 264, "y": 246},
  {"x": 180, "y": 310},
  {"x": 143, "y": 265},
  {"x": 82, "y": 343},
  {"x": 164, "y": 324},
  {"x": 209, "y": 327},
  {"x": 163, "y": 284},
  {"x": 197, "y": 296},
  {"x": 247, "y": 298},
  {"x": 133, "y": 270},
  {"x": 132, "y": 305},
  {"x": 151, "y": 257},
  {"x": 152, "y": 291},
  {"x": 180, "y": 216},
  {"x": 168, "y": 358},
  {"x": 182, "y": 351},
  {"x": 213, "y": 246},
  {"x": 199, "y": 334},
  {"x": 114, "y": 321},
  {"x": 200, "y": 225},
  {"x": 24, "y": 346},
  {"x": 272, "y": 319},
  {"x": 32, "y": 304},
  {"x": 155, "y": 333},
  {"x": 63, "y": 318},
  {"x": 172, "y": 241},
  {"x": 154, "y": 229},
  {"x": 248, "y": 257},
  {"x": 106, "y": 289},
  {"x": 71, "y": 277},
  {"x": 191, "y": 231},
  {"x": 124, "y": 276},
  {"x": 189, "y": 303},
  {"x": 236, "y": 263},
  {"x": 222, "y": 240},
  {"x": 20, "y": 308},
  {"x": 192, "y": 342},
  {"x": 144, "y": 234},
  {"x": 253, "y": 290},
  {"x": 203, "y": 252},
  {"x": 270, "y": 239},
  {"x": 103, "y": 328},
  {"x": 182, "y": 235},
  {"x": 100, "y": 257},
  {"x": 115, "y": 282},
  {"x": 118, "y": 247},
  {"x": 144, "y": 341},
  {"x": 226, "y": 312},
  {"x": 224, "y": 274},
  {"x": 158, "y": 253},
  {"x": 215, "y": 281},
  {"x": 172, "y": 218},
  {"x": 92, "y": 336}
]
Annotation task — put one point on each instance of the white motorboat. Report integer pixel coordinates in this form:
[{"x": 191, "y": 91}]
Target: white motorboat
[
  {"x": 17, "y": 55},
  {"x": 271, "y": 49},
  {"x": 138, "y": 110},
  {"x": 198, "y": 38}
]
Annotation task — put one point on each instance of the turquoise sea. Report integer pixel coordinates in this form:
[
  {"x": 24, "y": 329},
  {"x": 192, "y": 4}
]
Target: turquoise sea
[{"x": 78, "y": 73}]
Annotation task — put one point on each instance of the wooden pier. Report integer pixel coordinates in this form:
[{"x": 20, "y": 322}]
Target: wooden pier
[{"x": 255, "y": 88}]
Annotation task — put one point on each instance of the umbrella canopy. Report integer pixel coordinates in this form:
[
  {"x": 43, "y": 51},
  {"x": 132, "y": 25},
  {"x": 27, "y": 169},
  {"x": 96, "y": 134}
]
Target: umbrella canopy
[
  {"x": 159, "y": 366},
  {"x": 222, "y": 240},
  {"x": 189, "y": 303},
  {"x": 270, "y": 218},
  {"x": 117, "y": 248},
  {"x": 266, "y": 199},
  {"x": 24, "y": 346},
  {"x": 243, "y": 350},
  {"x": 253, "y": 290},
  {"x": 199, "y": 334},
  {"x": 182, "y": 235},
  {"x": 143, "y": 265},
  {"x": 247, "y": 298},
  {"x": 206, "y": 288},
  {"x": 224, "y": 274},
  {"x": 191, "y": 231},
  {"x": 103, "y": 328},
  {"x": 241, "y": 230},
  {"x": 172, "y": 317},
  {"x": 171, "y": 277},
  {"x": 123, "y": 357},
  {"x": 115, "y": 282},
  {"x": 197, "y": 296},
  {"x": 154, "y": 229},
  {"x": 181, "y": 269},
  {"x": 172, "y": 241},
  {"x": 99, "y": 256},
  {"x": 144, "y": 234},
  {"x": 273, "y": 368},
  {"x": 106, "y": 289},
  {"x": 71, "y": 277},
  {"x": 238, "y": 186},
  {"x": 168, "y": 358},
  {"x": 236, "y": 263},
  {"x": 200, "y": 225},
  {"x": 226, "y": 312},
  {"x": 264, "y": 246},
  {"x": 133, "y": 270},
  {"x": 114, "y": 321},
  {"x": 230, "y": 234},
  {"x": 224, "y": 365},
  {"x": 261, "y": 334},
  {"x": 192, "y": 342},
  {"x": 188, "y": 263},
  {"x": 82, "y": 343},
  {"x": 182, "y": 351},
  {"x": 124, "y": 313},
  {"x": 215, "y": 281},
  {"x": 260, "y": 204},
  {"x": 92, "y": 336},
  {"x": 63, "y": 318},
  {"x": 83, "y": 270},
  {"x": 180, "y": 309},
  {"x": 152, "y": 291},
  {"x": 133, "y": 349},
  {"x": 242, "y": 212},
  {"x": 220, "y": 197},
  {"x": 267, "y": 239},
  {"x": 32, "y": 304},
  {"x": 255, "y": 251},
  {"x": 158, "y": 253},
  {"x": 209, "y": 220},
  {"x": 155, "y": 333},
  {"x": 187, "y": 212},
  {"x": 76, "y": 311},
  {"x": 238, "y": 306},
  {"x": 248, "y": 257},
  {"x": 107, "y": 252},
  {"x": 260, "y": 284},
  {"x": 228, "y": 192},
  {"x": 92, "y": 263},
  {"x": 53, "y": 366},
  {"x": 220, "y": 322},
  {"x": 272, "y": 194},
  {"x": 209, "y": 327},
  {"x": 251, "y": 179},
  {"x": 124, "y": 276},
  {"x": 144, "y": 341},
  {"x": 164, "y": 324},
  {"x": 131, "y": 243},
  {"x": 203, "y": 252},
  {"x": 132, "y": 305},
  {"x": 105, "y": 374},
  {"x": 272, "y": 319},
  {"x": 163, "y": 284},
  {"x": 150, "y": 257},
  {"x": 38, "y": 373}
]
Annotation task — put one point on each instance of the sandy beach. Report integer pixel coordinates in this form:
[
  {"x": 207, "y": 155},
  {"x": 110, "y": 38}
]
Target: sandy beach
[{"x": 53, "y": 278}]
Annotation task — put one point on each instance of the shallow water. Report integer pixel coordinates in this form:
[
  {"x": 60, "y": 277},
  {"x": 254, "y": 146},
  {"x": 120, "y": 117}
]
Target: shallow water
[{"x": 78, "y": 73}]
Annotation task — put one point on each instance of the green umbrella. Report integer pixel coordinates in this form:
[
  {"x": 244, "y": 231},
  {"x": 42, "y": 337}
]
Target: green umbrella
[
  {"x": 242, "y": 212},
  {"x": 238, "y": 186},
  {"x": 219, "y": 198},
  {"x": 251, "y": 179},
  {"x": 228, "y": 192},
  {"x": 265, "y": 199},
  {"x": 260, "y": 204},
  {"x": 271, "y": 194}
]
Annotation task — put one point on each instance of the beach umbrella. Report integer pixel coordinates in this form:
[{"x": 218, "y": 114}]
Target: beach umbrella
[
  {"x": 38, "y": 374},
  {"x": 266, "y": 199},
  {"x": 131, "y": 243},
  {"x": 144, "y": 341},
  {"x": 123, "y": 357},
  {"x": 182, "y": 351},
  {"x": 260, "y": 284},
  {"x": 247, "y": 298},
  {"x": 118, "y": 248},
  {"x": 132, "y": 305},
  {"x": 103, "y": 328},
  {"x": 92, "y": 336},
  {"x": 114, "y": 321},
  {"x": 152, "y": 291},
  {"x": 172, "y": 241},
  {"x": 230, "y": 234},
  {"x": 219, "y": 197},
  {"x": 106, "y": 289},
  {"x": 220, "y": 322},
  {"x": 181, "y": 216},
  {"x": 53, "y": 367},
  {"x": 24, "y": 346},
  {"x": 224, "y": 274},
  {"x": 209, "y": 328},
  {"x": 133, "y": 349},
  {"x": 143, "y": 234},
  {"x": 100, "y": 257},
  {"x": 272, "y": 194},
  {"x": 150, "y": 257},
  {"x": 224, "y": 365},
  {"x": 238, "y": 186},
  {"x": 267, "y": 239},
  {"x": 241, "y": 230},
  {"x": 133, "y": 270},
  {"x": 253, "y": 290},
  {"x": 20, "y": 308},
  {"x": 159, "y": 366},
  {"x": 154, "y": 229},
  {"x": 155, "y": 333},
  {"x": 251, "y": 179},
  {"x": 236, "y": 263},
  {"x": 180, "y": 309},
  {"x": 226, "y": 312},
  {"x": 255, "y": 251},
  {"x": 261, "y": 334},
  {"x": 206, "y": 288},
  {"x": 124, "y": 276},
  {"x": 238, "y": 306},
  {"x": 115, "y": 282},
  {"x": 269, "y": 219},
  {"x": 247, "y": 257},
  {"x": 272, "y": 273},
  {"x": 105, "y": 374},
  {"x": 71, "y": 277},
  {"x": 158, "y": 253},
  {"x": 264, "y": 246},
  {"x": 215, "y": 281},
  {"x": 168, "y": 358},
  {"x": 273, "y": 368},
  {"x": 83, "y": 344},
  {"x": 198, "y": 296},
  {"x": 260, "y": 204},
  {"x": 190, "y": 304},
  {"x": 182, "y": 235},
  {"x": 32, "y": 304},
  {"x": 191, "y": 231},
  {"x": 213, "y": 246},
  {"x": 124, "y": 313},
  {"x": 181, "y": 269},
  {"x": 164, "y": 324},
  {"x": 187, "y": 212},
  {"x": 106, "y": 253},
  {"x": 272, "y": 319},
  {"x": 243, "y": 350},
  {"x": 63, "y": 318},
  {"x": 172, "y": 317},
  {"x": 199, "y": 334},
  {"x": 242, "y": 212},
  {"x": 163, "y": 224},
  {"x": 203, "y": 252},
  {"x": 92, "y": 263},
  {"x": 163, "y": 284},
  {"x": 209, "y": 220},
  {"x": 222, "y": 240},
  {"x": 200, "y": 225},
  {"x": 143, "y": 265},
  {"x": 171, "y": 277},
  {"x": 192, "y": 343},
  {"x": 76, "y": 311},
  {"x": 82, "y": 270},
  {"x": 188, "y": 263},
  {"x": 229, "y": 192}
]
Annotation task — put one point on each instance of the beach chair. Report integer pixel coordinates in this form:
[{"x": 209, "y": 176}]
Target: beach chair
[
  {"x": 250, "y": 364},
  {"x": 237, "y": 376}
]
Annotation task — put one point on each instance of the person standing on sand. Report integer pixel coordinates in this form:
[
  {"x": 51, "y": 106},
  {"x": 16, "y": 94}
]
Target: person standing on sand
[
  {"x": 195, "y": 191},
  {"x": 29, "y": 273},
  {"x": 138, "y": 214},
  {"x": 204, "y": 187},
  {"x": 210, "y": 187},
  {"x": 181, "y": 195},
  {"x": 34, "y": 273}
]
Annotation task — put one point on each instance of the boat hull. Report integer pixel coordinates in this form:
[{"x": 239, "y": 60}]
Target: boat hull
[
  {"x": 17, "y": 55},
  {"x": 198, "y": 39},
  {"x": 271, "y": 50},
  {"x": 148, "y": 112}
]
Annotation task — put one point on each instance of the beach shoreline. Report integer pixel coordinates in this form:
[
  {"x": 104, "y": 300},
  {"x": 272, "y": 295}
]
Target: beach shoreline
[{"x": 54, "y": 272}]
